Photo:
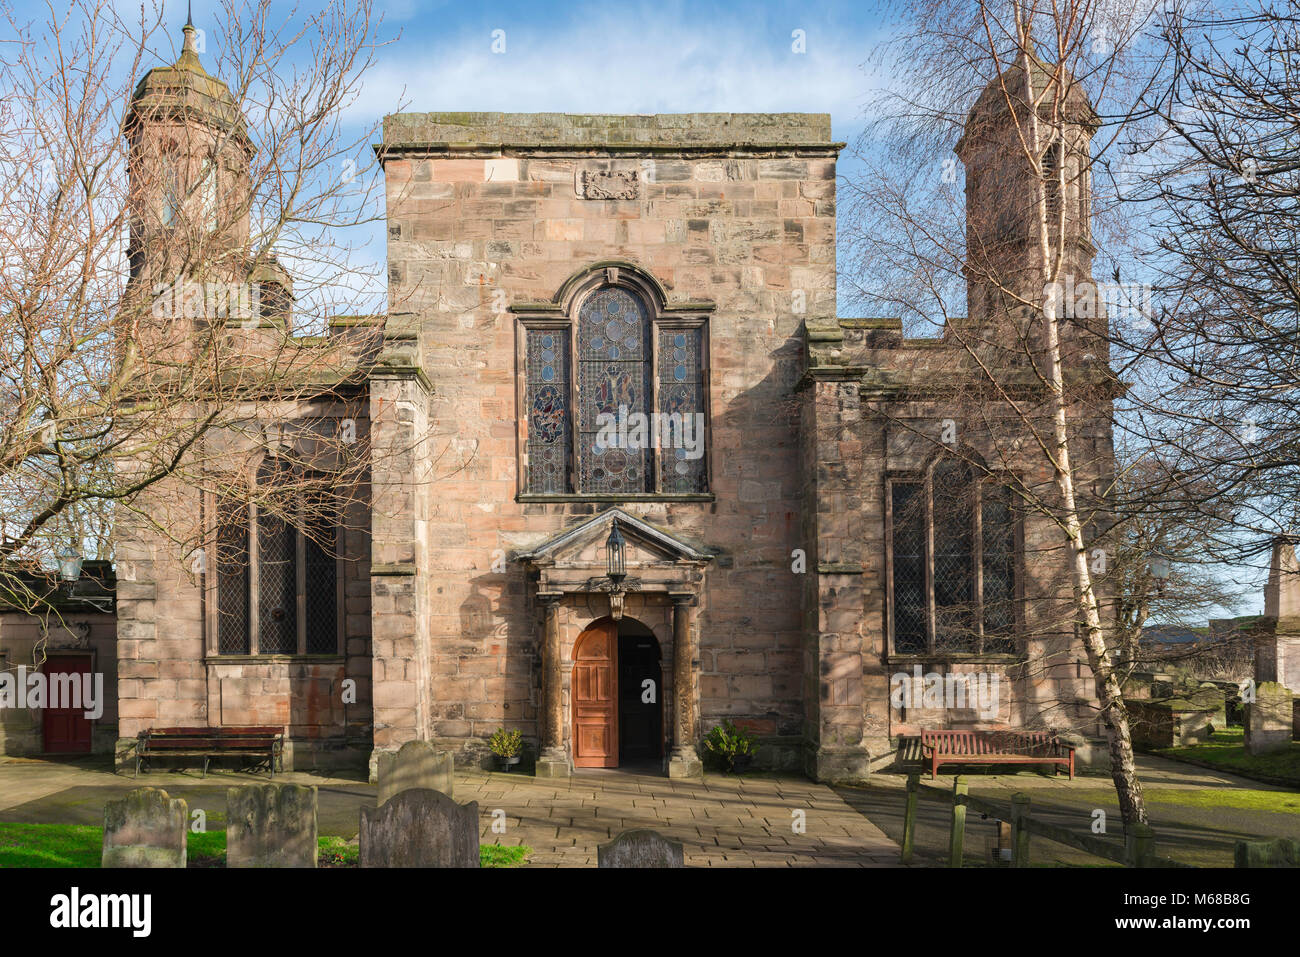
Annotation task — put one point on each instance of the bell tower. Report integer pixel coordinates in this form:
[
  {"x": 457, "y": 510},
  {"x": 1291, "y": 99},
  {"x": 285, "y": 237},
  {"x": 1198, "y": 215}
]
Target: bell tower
[
  {"x": 1005, "y": 211},
  {"x": 188, "y": 167}
]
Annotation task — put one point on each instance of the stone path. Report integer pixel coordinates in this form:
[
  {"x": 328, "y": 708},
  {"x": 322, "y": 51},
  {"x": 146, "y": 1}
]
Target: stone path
[{"x": 725, "y": 821}]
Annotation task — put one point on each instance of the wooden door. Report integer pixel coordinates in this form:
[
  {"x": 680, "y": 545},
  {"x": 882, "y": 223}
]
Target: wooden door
[
  {"x": 66, "y": 730},
  {"x": 595, "y": 697}
]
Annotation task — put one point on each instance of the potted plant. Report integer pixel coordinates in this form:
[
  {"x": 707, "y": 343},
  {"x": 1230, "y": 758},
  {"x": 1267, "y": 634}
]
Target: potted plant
[
  {"x": 734, "y": 746},
  {"x": 507, "y": 746}
]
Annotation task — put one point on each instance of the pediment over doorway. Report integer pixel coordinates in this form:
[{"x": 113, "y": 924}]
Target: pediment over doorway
[{"x": 566, "y": 562}]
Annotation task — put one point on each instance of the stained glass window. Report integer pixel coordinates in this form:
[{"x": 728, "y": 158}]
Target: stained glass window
[
  {"x": 631, "y": 428},
  {"x": 548, "y": 410},
  {"x": 681, "y": 403},
  {"x": 953, "y": 563},
  {"x": 613, "y": 384}
]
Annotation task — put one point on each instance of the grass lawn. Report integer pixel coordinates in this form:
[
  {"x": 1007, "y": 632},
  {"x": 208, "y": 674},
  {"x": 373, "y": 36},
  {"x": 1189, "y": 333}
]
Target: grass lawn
[
  {"x": 72, "y": 845},
  {"x": 1226, "y": 751}
]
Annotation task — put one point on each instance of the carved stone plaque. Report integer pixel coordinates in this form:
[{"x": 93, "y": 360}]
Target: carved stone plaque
[{"x": 604, "y": 184}]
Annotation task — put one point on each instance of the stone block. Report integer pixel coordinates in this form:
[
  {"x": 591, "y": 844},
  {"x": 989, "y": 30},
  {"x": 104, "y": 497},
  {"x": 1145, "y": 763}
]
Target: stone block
[
  {"x": 271, "y": 825},
  {"x": 420, "y": 828},
  {"x": 640, "y": 848},
  {"x": 147, "y": 828},
  {"x": 1269, "y": 719},
  {"x": 417, "y": 764}
]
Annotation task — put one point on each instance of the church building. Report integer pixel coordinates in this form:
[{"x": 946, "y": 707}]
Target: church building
[{"x": 630, "y": 474}]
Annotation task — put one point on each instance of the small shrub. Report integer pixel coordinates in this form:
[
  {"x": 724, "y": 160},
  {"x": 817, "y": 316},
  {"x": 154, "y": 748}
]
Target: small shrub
[
  {"x": 726, "y": 742},
  {"x": 506, "y": 744}
]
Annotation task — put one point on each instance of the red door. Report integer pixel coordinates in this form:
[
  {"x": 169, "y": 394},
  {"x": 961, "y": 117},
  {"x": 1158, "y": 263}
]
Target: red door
[
  {"x": 67, "y": 730},
  {"x": 595, "y": 697}
]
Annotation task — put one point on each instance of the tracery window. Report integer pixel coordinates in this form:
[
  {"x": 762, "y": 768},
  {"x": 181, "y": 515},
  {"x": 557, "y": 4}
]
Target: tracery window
[
  {"x": 952, "y": 563},
  {"x": 277, "y": 574},
  {"x": 627, "y": 417}
]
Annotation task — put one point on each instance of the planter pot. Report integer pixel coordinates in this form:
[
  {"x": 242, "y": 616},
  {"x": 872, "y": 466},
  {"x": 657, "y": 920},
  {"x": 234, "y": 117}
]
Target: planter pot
[
  {"x": 507, "y": 763},
  {"x": 741, "y": 762}
]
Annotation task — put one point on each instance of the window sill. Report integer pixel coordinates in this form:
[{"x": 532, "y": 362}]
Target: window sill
[
  {"x": 535, "y": 498},
  {"x": 274, "y": 659},
  {"x": 956, "y": 658}
]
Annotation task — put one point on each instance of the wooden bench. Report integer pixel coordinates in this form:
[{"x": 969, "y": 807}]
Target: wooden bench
[
  {"x": 266, "y": 745},
  {"x": 996, "y": 747}
]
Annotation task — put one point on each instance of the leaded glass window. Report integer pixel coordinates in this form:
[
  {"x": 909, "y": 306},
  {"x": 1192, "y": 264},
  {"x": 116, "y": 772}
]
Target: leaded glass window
[
  {"x": 952, "y": 553},
  {"x": 615, "y": 403},
  {"x": 277, "y": 574},
  {"x": 548, "y": 410},
  {"x": 613, "y": 384},
  {"x": 910, "y": 593},
  {"x": 232, "y": 577},
  {"x": 681, "y": 402}
]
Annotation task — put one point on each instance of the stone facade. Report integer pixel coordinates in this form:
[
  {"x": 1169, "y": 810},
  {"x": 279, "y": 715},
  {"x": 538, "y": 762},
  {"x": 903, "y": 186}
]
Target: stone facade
[{"x": 762, "y": 595}]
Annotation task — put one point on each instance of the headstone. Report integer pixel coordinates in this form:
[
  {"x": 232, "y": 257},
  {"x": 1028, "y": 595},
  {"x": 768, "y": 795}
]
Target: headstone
[
  {"x": 1277, "y": 646},
  {"x": 640, "y": 848},
  {"x": 420, "y": 828},
  {"x": 1281, "y": 852},
  {"x": 1211, "y": 696},
  {"x": 145, "y": 829},
  {"x": 1269, "y": 719},
  {"x": 415, "y": 765},
  {"x": 271, "y": 825}
]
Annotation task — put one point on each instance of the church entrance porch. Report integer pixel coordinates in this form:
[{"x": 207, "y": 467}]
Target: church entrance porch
[{"x": 620, "y": 670}]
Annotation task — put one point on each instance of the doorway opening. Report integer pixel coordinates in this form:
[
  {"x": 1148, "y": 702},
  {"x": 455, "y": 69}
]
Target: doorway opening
[{"x": 617, "y": 695}]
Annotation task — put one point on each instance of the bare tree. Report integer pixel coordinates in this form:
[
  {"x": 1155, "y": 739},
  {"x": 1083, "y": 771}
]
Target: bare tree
[
  {"x": 173, "y": 258},
  {"x": 1036, "y": 95}
]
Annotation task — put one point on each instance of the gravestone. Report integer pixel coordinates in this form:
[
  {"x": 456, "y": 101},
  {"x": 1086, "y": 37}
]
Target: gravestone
[
  {"x": 1277, "y": 646},
  {"x": 147, "y": 828},
  {"x": 1211, "y": 696},
  {"x": 1281, "y": 852},
  {"x": 416, "y": 765},
  {"x": 271, "y": 825},
  {"x": 1269, "y": 719},
  {"x": 640, "y": 848},
  {"x": 420, "y": 828}
]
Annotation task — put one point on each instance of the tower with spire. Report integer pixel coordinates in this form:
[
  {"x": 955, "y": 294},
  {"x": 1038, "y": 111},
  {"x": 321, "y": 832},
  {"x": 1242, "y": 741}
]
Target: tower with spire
[{"x": 189, "y": 157}]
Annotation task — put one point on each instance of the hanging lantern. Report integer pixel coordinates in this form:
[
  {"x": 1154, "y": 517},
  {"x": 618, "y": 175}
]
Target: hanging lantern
[
  {"x": 616, "y": 554},
  {"x": 69, "y": 564}
]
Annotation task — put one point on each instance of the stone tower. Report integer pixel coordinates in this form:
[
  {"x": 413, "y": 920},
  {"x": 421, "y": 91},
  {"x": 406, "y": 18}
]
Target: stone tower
[
  {"x": 189, "y": 176},
  {"x": 1003, "y": 211}
]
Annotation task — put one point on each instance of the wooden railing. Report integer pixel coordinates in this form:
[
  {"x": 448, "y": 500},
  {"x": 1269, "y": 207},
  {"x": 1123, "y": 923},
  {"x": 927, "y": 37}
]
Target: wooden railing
[{"x": 1138, "y": 849}]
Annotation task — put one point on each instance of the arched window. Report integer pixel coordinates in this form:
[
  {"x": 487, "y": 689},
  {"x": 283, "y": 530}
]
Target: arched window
[
  {"x": 952, "y": 563},
  {"x": 614, "y": 394},
  {"x": 277, "y": 569},
  {"x": 628, "y": 416}
]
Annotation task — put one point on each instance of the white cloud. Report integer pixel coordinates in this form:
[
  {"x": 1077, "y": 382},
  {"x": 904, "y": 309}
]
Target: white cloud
[{"x": 607, "y": 62}]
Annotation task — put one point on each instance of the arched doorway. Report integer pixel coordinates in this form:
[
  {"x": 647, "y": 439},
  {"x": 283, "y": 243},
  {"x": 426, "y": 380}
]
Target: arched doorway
[{"x": 617, "y": 695}]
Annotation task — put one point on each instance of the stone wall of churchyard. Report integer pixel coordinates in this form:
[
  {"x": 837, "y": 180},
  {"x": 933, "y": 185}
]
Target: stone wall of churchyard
[{"x": 486, "y": 211}]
